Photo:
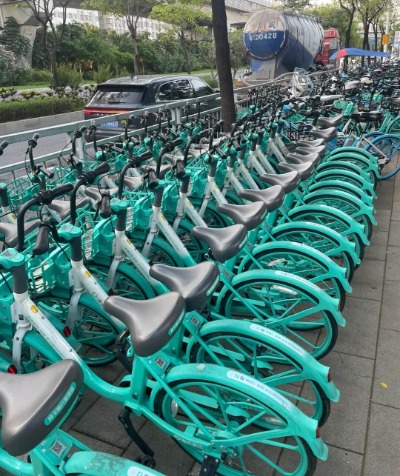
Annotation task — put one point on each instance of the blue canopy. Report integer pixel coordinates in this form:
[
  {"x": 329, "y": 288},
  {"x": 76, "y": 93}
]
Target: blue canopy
[{"x": 358, "y": 52}]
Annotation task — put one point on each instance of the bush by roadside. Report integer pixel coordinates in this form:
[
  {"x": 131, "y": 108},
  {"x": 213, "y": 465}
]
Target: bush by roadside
[{"x": 19, "y": 110}]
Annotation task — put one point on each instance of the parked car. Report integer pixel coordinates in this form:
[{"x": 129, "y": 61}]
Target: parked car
[{"x": 120, "y": 95}]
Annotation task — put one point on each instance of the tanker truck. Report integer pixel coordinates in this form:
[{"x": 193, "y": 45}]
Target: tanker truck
[{"x": 279, "y": 41}]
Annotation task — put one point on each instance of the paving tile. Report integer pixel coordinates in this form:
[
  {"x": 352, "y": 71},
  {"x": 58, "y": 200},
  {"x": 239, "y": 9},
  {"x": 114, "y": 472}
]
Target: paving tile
[
  {"x": 360, "y": 334},
  {"x": 368, "y": 279},
  {"x": 387, "y": 370},
  {"x": 378, "y": 246},
  {"x": 390, "y": 306},
  {"x": 383, "y": 219},
  {"x": 95, "y": 444},
  {"x": 396, "y": 211},
  {"x": 101, "y": 421},
  {"x": 86, "y": 402},
  {"x": 382, "y": 451},
  {"x": 392, "y": 272},
  {"x": 394, "y": 234},
  {"x": 170, "y": 458},
  {"x": 347, "y": 424},
  {"x": 340, "y": 462}
]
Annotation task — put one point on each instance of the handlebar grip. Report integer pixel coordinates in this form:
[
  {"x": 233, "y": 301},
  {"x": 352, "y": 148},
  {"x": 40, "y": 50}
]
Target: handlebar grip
[
  {"x": 35, "y": 136},
  {"x": 105, "y": 207},
  {"x": 61, "y": 190},
  {"x": 177, "y": 142},
  {"x": 221, "y": 153},
  {"x": 180, "y": 169},
  {"x": 103, "y": 168},
  {"x": 146, "y": 155},
  {"x": 3, "y": 145},
  {"x": 46, "y": 172},
  {"x": 4, "y": 201},
  {"x": 152, "y": 180},
  {"x": 204, "y": 133},
  {"x": 42, "y": 243}
]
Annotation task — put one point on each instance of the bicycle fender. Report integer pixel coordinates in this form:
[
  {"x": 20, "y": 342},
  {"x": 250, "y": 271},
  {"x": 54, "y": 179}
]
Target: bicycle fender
[
  {"x": 281, "y": 278},
  {"x": 344, "y": 165},
  {"x": 333, "y": 185},
  {"x": 326, "y": 175},
  {"x": 95, "y": 463},
  {"x": 362, "y": 207},
  {"x": 343, "y": 244},
  {"x": 352, "y": 225},
  {"x": 332, "y": 269},
  {"x": 352, "y": 150},
  {"x": 370, "y": 164},
  {"x": 312, "y": 368},
  {"x": 298, "y": 423}
]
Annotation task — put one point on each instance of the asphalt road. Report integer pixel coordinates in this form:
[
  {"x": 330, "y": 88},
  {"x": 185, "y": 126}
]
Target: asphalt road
[{"x": 15, "y": 153}]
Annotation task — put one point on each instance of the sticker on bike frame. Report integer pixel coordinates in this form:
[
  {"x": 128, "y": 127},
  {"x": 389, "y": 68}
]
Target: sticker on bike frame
[
  {"x": 279, "y": 337},
  {"x": 61, "y": 405},
  {"x": 34, "y": 309},
  {"x": 251, "y": 382},
  {"x": 133, "y": 471}
]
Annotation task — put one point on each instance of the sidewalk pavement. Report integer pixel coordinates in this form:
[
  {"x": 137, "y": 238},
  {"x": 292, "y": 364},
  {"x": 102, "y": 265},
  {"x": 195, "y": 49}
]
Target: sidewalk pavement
[{"x": 363, "y": 431}]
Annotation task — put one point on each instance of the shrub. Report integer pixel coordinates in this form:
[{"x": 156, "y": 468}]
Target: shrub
[
  {"x": 10, "y": 71},
  {"x": 103, "y": 74},
  {"x": 19, "y": 110},
  {"x": 213, "y": 82},
  {"x": 69, "y": 77},
  {"x": 88, "y": 75},
  {"x": 41, "y": 76}
]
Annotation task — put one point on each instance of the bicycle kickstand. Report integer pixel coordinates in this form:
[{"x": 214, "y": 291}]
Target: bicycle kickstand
[
  {"x": 148, "y": 454},
  {"x": 211, "y": 464}
]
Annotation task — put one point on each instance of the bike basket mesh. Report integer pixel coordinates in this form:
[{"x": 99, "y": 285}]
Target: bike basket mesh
[
  {"x": 41, "y": 275},
  {"x": 20, "y": 190}
]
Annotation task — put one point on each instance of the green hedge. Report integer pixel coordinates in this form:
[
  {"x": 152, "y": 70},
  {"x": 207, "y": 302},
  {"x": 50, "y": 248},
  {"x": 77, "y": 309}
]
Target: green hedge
[{"x": 19, "y": 110}]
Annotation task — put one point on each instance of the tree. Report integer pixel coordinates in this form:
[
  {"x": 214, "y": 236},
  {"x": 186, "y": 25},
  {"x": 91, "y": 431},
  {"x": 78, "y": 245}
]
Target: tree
[
  {"x": 186, "y": 16},
  {"x": 238, "y": 52},
  {"x": 337, "y": 17},
  {"x": 13, "y": 41},
  {"x": 222, "y": 49},
  {"x": 42, "y": 11},
  {"x": 131, "y": 11},
  {"x": 206, "y": 51},
  {"x": 296, "y": 4},
  {"x": 369, "y": 10},
  {"x": 350, "y": 7}
]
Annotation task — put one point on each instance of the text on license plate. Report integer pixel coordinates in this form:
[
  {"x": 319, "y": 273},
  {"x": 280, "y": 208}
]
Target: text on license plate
[{"x": 110, "y": 124}]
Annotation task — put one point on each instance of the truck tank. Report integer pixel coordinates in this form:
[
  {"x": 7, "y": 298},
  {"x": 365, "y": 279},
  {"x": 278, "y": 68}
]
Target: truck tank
[{"x": 277, "y": 42}]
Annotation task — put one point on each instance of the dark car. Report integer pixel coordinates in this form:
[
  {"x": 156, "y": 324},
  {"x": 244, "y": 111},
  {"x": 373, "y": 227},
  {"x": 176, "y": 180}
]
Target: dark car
[{"x": 129, "y": 94}]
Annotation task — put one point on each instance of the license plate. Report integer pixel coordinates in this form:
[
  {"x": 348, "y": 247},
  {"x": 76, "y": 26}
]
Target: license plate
[{"x": 110, "y": 124}]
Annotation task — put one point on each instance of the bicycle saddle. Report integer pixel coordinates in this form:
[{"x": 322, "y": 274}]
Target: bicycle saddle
[
  {"x": 310, "y": 143},
  {"x": 305, "y": 169},
  {"x": 63, "y": 207},
  {"x": 326, "y": 134},
  {"x": 250, "y": 215},
  {"x": 395, "y": 101},
  {"x": 34, "y": 404},
  {"x": 132, "y": 182},
  {"x": 194, "y": 284},
  {"x": 225, "y": 243},
  {"x": 272, "y": 197},
  {"x": 151, "y": 323},
  {"x": 289, "y": 181},
  {"x": 330, "y": 121},
  {"x": 8, "y": 231},
  {"x": 320, "y": 150},
  {"x": 301, "y": 158}
]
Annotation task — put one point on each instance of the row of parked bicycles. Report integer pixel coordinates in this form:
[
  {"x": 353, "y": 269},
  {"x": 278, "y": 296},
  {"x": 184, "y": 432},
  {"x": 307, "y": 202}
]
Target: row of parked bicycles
[{"x": 214, "y": 267}]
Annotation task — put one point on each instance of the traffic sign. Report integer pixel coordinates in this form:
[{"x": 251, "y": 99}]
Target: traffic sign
[{"x": 386, "y": 39}]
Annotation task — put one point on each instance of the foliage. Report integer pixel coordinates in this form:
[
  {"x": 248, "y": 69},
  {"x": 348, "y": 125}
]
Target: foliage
[
  {"x": 12, "y": 40},
  {"x": 336, "y": 17},
  {"x": 296, "y": 4},
  {"x": 206, "y": 51},
  {"x": 11, "y": 73},
  {"x": 102, "y": 74},
  {"x": 68, "y": 77},
  {"x": 40, "y": 76},
  {"x": 237, "y": 50},
  {"x": 213, "y": 82},
  {"x": 18, "y": 110},
  {"x": 186, "y": 19}
]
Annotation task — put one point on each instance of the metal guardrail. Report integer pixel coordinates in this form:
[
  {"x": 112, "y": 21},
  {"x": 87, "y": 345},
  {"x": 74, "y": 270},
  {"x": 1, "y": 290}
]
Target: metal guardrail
[{"x": 84, "y": 147}]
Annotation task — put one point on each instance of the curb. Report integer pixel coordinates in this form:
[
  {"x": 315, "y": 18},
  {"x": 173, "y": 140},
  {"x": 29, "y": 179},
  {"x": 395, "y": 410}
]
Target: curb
[{"x": 39, "y": 122}]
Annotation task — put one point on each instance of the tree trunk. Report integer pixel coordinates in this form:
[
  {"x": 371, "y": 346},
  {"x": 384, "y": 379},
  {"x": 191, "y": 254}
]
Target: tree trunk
[
  {"x": 220, "y": 30},
  {"x": 186, "y": 53},
  {"x": 135, "y": 55}
]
